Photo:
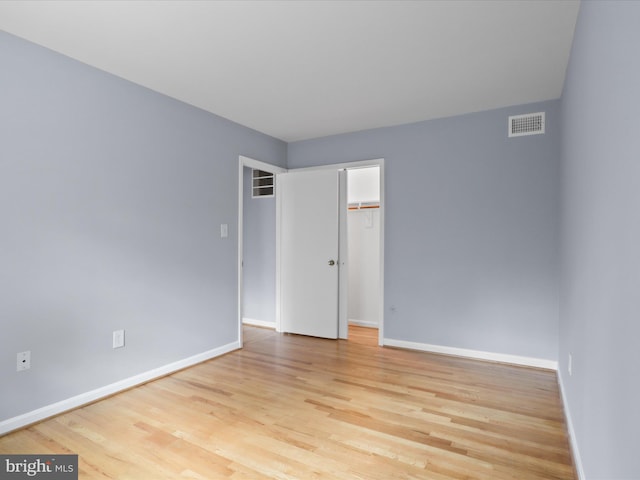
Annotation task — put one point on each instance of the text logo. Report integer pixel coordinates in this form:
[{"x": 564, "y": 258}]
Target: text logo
[{"x": 50, "y": 467}]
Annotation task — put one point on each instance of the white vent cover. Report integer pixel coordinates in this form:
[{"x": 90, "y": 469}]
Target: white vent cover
[{"x": 529, "y": 124}]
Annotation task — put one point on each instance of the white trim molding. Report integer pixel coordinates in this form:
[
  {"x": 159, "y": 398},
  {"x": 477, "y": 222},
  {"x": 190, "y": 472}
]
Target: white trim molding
[
  {"x": 363, "y": 323},
  {"x": 477, "y": 354},
  {"x": 113, "y": 388},
  {"x": 258, "y": 323},
  {"x": 573, "y": 441}
]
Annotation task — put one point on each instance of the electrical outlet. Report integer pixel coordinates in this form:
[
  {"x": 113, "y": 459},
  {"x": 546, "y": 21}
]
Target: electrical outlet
[
  {"x": 118, "y": 338},
  {"x": 570, "y": 365},
  {"x": 23, "y": 361}
]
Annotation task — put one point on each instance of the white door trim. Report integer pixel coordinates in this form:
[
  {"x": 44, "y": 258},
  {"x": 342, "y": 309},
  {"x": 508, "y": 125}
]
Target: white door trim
[
  {"x": 343, "y": 258},
  {"x": 252, "y": 163}
]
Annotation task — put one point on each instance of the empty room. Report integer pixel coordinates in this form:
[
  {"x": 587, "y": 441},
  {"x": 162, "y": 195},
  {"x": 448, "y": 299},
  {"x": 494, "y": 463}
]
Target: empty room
[{"x": 320, "y": 239}]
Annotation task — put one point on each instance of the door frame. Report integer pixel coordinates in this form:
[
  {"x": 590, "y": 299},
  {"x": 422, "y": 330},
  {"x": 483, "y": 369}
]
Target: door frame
[
  {"x": 268, "y": 167},
  {"x": 343, "y": 286}
]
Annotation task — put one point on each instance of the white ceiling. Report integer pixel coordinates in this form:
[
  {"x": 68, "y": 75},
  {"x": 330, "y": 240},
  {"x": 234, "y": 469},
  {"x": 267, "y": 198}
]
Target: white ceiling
[{"x": 304, "y": 69}]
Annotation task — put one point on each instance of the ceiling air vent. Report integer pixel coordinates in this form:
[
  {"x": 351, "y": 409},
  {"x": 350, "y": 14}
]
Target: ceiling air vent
[{"x": 529, "y": 124}]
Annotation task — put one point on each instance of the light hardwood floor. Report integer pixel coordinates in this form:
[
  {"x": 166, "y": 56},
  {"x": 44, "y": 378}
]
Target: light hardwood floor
[{"x": 288, "y": 407}]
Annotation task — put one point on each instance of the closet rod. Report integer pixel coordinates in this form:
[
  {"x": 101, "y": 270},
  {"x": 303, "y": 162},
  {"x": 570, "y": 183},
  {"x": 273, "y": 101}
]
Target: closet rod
[{"x": 363, "y": 207}]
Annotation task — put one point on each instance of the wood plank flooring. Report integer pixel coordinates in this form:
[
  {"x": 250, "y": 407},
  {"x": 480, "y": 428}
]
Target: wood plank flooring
[
  {"x": 293, "y": 407},
  {"x": 363, "y": 335}
]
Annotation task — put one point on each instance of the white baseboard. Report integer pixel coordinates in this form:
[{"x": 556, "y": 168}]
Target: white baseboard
[
  {"x": 477, "y": 354},
  {"x": 93, "y": 395},
  {"x": 258, "y": 323},
  {"x": 363, "y": 323},
  {"x": 573, "y": 441}
]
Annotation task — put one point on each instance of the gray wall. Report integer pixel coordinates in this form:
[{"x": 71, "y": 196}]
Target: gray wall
[
  {"x": 259, "y": 256},
  {"x": 111, "y": 200},
  {"x": 471, "y": 234},
  {"x": 600, "y": 290}
]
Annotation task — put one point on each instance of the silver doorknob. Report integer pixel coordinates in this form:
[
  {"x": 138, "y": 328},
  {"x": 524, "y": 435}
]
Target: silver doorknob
[{"x": 332, "y": 263}]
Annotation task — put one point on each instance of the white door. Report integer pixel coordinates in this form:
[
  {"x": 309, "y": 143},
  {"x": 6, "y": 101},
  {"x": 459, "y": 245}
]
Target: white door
[{"x": 309, "y": 252}]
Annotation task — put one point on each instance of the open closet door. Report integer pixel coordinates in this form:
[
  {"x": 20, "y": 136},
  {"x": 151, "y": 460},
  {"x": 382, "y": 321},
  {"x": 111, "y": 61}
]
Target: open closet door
[{"x": 309, "y": 252}]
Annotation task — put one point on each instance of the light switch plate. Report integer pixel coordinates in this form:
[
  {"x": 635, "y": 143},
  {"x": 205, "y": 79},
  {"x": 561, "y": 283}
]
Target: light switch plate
[
  {"x": 224, "y": 230},
  {"x": 118, "y": 338}
]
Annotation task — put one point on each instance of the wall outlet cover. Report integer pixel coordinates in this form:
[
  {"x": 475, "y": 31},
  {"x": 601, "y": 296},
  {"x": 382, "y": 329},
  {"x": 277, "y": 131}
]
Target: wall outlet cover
[{"x": 23, "y": 361}]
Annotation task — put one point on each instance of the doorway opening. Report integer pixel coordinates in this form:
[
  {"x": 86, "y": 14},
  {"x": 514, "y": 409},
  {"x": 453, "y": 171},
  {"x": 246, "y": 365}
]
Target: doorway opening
[
  {"x": 363, "y": 253},
  {"x": 257, "y": 237},
  {"x": 367, "y": 312}
]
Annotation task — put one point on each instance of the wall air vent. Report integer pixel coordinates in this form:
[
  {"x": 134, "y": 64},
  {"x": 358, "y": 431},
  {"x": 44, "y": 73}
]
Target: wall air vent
[
  {"x": 263, "y": 184},
  {"x": 529, "y": 124}
]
